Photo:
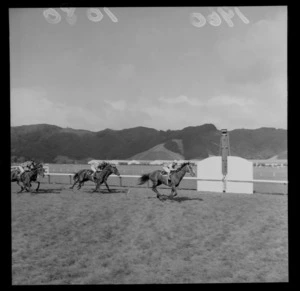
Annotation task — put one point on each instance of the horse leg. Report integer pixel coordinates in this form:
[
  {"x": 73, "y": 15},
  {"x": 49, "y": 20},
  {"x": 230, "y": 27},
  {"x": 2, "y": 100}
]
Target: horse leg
[
  {"x": 154, "y": 189},
  {"x": 22, "y": 188},
  {"x": 79, "y": 185},
  {"x": 37, "y": 188},
  {"x": 107, "y": 186},
  {"x": 27, "y": 187},
  {"x": 97, "y": 189},
  {"x": 74, "y": 184},
  {"x": 173, "y": 192}
]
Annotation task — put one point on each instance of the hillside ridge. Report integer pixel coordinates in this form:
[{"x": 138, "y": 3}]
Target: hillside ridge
[{"x": 51, "y": 143}]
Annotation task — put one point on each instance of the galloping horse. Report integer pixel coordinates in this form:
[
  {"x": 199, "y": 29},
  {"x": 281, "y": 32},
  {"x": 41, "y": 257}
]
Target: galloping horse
[
  {"x": 82, "y": 176},
  {"x": 100, "y": 177},
  {"x": 14, "y": 177},
  {"x": 158, "y": 178},
  {"x": 27, "y": 177}
]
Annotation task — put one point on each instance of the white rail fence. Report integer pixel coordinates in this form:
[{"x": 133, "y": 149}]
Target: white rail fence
[{"x": 185, "y": 178}]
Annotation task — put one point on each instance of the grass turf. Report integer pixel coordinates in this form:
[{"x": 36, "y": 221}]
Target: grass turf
[{"x": 65, "y": 237}]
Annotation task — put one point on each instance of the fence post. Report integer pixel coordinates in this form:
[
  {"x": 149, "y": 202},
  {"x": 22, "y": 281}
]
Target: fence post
[
  {"x": 120, "y": 181},
  {"x": 48, "y": 179},
  {"x": 70, "y": 179}
]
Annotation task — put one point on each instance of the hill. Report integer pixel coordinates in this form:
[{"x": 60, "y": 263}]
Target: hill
[
  {"x": 159, "y": 152},
  {"x": 50, "y": 143},
  {"x": 280, "y": 156}
]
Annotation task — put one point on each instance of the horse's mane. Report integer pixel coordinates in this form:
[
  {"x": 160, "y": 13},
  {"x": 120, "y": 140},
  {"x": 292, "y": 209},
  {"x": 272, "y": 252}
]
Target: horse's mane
[
  {"x": 109, "y": 165},
  {"x": 37, "y": 167},
  {"x": 183, "y": 165}
]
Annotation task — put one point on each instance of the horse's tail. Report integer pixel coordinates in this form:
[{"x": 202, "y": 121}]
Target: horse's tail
[
  {"x": 14, "y": 175},
  {"x": 143, "y": 179},
  {"x": 75, "y": 177}
]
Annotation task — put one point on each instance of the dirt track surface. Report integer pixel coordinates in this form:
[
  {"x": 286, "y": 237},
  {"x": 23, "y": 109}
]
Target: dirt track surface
[{"x": 60, "y": 236}]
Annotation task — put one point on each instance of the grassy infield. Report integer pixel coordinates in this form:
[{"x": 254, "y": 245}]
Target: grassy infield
[{"x": 65, "y": 237}]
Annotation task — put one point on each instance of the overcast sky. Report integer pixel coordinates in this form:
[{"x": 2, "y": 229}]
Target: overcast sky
[{"x": 153, "y": 67}]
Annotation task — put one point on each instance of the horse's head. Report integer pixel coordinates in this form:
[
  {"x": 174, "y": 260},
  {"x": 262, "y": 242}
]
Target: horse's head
[
  {"x": 188, "y": 168},
  {"x": 115, "y": 170},
  {"x": 40, "y": 170},
  {"x": 112, "y": 169}
]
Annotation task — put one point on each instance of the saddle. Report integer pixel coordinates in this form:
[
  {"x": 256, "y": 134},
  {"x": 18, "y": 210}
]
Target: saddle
[
  {"x": 164, "y": 173},
  {"x": 20, "y": 175}
]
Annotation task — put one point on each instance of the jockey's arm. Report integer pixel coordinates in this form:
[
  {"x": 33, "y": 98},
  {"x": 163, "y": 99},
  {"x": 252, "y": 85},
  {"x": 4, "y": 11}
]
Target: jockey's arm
[
  {"x": 171, "y": 167},
  {"x": 94, "y": 167}
]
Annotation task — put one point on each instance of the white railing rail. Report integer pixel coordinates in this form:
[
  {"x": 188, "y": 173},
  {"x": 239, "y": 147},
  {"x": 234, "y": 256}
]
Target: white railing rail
[{"x": 185, "y": 178}]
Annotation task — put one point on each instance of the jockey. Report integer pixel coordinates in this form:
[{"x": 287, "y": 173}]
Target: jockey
[
  {"x": 103, "y": 165},
  {"x": 170, "y": 167},
  {"x": 26, "y": 166},
  {"x": 97, "y": 166}
]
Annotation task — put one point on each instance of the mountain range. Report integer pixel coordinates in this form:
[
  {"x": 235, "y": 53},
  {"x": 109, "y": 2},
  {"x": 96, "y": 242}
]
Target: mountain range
[{"x": 54, "y": 144}]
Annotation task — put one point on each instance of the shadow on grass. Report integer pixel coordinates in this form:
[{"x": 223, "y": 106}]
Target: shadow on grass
[
  {"x": 51, "y": 191},
  {"x": 40, "y": 191},
  {"x": 182, "y": 199},
  {"x": 176, "y": 199},
  {"x": 105, "y": 191}
]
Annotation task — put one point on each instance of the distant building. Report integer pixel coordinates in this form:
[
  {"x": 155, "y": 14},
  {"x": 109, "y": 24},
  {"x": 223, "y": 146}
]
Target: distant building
[
  {"x": 133, "y": 162},
  {"x": 156, "y": 162},
  {"x": 95, "y": 161}
]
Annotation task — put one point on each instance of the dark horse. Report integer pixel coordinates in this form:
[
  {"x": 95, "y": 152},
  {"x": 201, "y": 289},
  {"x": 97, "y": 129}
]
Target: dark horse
[
  {"x": 27, "y": 177},
  {"x": 100, "y": 177},
  {"x": 158, "y": 178}
]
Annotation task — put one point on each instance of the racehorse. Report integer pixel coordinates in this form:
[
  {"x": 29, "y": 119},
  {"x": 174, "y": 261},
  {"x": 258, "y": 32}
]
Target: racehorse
[
  {"x": 82, "y": 176},
  {"x": 14, "y": 177},
  {"x": 158, "y": 178},
  {"x": 100, "y": 177},
  {"x": 29, "y": 176}
]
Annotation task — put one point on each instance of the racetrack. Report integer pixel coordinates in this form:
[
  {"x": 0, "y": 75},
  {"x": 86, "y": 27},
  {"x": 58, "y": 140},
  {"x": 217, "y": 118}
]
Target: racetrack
[{"x": 61, "y": 236}]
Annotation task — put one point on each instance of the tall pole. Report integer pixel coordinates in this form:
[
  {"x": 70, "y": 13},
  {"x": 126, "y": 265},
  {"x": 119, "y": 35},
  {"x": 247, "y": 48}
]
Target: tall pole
[{"x": 225, "y": 152}]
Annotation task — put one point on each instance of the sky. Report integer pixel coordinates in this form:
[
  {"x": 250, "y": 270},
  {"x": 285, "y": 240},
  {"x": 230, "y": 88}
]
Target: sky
[{"x": 158, "y": 67}]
